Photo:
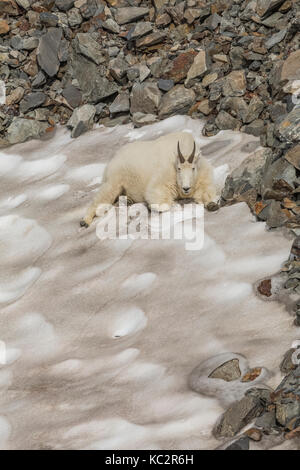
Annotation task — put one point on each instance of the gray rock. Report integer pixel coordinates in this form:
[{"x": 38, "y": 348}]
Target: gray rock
[
  {"x": 291, "y": 67},
  {"x": 93, "y": 85},
  {"x": 279, "y": 175},
  {"x": 273, "y": 214},
  {"x": 266, "y": 7},
  {"x": 32, "y": 101},
  {"x": 27, "y": 44},
  {"x": 111, "y": 25},
  {"x": 165, "y": 85},
  {"x": 118, "y": 68},
  {"x": 139, "y": 30},
  {"x": 48, "y": 19},
  {"x": 289, "y": 129},
  {"x": 145, "y": 98},
  {"x": 120, "y": 104},
  {"x": 177, "y": 101},
  {"x": 141, "y": 119},
  {"x": 113, "y": 51},
  {"x": 237, "y": 416},
  {"x": 151, "y": 40},
  {"x": 266, "y": 421},
  {"x": 287, "y": 363},
  {"x": 285, "y": 412},
  {"x": 234, "y": 84},
  {"x": 255, "y": 108},
  {"x": 21, "y": 130},
  {"x": 228, "y": 371},
  {"x": 241, "y": 444},
  {"x": 275, "y": 39},
  {"x": 91, "y": 8},
  {"x": 26, "y": 4},
  {"x": 87, "y": 46},
  {"x": 82, "y": 120},
  {"x": 225, "y": 121},
  {"x": 47, "y": 52},
  {"x": 129, "y": 14},
  {"x": 212, "y": 22},
  {"x": 293, "y": 156},
  {"x": 74, "y": 17},
  {"x": 248, "y": 175},
  {"x": 72, "y": 95},
  {"x": 39, "y": 80},
  {"x": 64, "y": 5},
  {"x": 255, "y": 128}
]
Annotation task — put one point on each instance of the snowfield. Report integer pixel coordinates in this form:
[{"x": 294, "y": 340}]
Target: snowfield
[{"x": 102, "y": 336}]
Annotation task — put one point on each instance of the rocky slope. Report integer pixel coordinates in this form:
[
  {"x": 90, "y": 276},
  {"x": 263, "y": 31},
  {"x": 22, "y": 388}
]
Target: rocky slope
[{"x": 236, "y": 63}]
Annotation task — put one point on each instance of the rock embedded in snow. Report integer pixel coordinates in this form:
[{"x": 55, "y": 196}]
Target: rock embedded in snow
[
  {"x": 241, "y": 444},
  {"x": 177, "y": 100},
  {"x": 82, "y": 120},
  {"x": 225, "y": 121},
  {"x": 21, "y": 130},
  {"x": 238, "y": 416},
  {"x": 228, "y": 371}
]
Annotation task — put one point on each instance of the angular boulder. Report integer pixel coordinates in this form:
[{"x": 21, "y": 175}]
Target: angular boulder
[
  {"x": 177, "y": 101},
  {"x": 48, "y": 49}
]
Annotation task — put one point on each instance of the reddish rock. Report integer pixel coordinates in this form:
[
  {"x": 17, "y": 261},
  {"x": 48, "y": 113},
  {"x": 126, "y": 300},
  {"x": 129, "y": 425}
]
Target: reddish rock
[
  {"x": 254, "y": 434},
  {"x": 265, "y": 287},
  {"x": 180, "y": 66},
  {"x": 4, "y": 28},
  {"x": 252, "y": 375}
]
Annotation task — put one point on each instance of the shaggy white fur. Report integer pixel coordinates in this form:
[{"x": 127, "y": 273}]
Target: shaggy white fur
[{"x": 155, "y": 173}]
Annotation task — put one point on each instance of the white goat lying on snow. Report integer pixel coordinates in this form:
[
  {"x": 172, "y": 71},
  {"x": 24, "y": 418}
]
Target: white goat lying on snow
[{"x": 156, "y": 172}]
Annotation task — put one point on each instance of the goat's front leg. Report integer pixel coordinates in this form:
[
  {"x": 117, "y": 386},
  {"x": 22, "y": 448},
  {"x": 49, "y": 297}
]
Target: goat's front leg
[
  {"x": 159, "y": 198},
  {"x": 205, "y": 195}
]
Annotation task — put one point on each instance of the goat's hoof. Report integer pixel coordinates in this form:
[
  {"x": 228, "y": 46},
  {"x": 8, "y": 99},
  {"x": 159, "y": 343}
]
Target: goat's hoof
[
  {"x": 212, "y": 207},
  {"x": 83, "y": 224}
]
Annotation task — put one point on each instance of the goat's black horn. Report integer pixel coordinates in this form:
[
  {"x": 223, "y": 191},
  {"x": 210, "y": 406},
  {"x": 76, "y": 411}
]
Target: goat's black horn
[
  {"x": 191, "y": 158},
  {"x": 180, "y": 156}
]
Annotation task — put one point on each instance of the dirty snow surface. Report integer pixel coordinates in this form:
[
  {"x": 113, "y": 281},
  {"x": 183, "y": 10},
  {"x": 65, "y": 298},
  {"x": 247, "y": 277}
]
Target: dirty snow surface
[{"x": 102, "y": 336}]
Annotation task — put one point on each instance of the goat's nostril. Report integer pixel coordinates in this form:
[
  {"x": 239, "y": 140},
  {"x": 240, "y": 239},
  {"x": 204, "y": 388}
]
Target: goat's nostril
[{"x": 186, "y": 189}]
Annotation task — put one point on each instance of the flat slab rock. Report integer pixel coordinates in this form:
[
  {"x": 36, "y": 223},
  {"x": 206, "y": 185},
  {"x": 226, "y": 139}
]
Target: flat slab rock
[
  {"x": 48, "y": 49},
  {"x": 238, "y": 416}
]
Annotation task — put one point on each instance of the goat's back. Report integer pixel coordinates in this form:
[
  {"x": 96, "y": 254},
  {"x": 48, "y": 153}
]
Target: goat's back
[{"x": 151, "y": 156}]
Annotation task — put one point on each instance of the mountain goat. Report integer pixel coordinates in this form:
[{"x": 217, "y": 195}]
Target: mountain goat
[{"x": 156, "y": 172}]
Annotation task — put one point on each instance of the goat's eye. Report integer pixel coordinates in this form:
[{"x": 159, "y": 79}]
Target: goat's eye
[{"x": 178, "y": 169}]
